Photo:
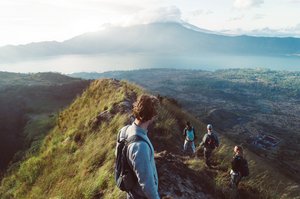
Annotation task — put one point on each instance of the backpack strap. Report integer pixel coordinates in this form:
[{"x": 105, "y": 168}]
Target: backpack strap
[
  {"x": 131, "y": 139},
  {"x": 118, "y": 140},
  {"x": 136, "y": 138}
]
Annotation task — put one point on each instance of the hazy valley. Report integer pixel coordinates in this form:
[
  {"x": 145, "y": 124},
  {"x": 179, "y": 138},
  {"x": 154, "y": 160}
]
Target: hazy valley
[{"x": 29, "y": 104}]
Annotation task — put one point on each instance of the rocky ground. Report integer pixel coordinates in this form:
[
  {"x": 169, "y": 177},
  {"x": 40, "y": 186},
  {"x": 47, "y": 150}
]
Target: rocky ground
[{"x": 177, "y": 180}]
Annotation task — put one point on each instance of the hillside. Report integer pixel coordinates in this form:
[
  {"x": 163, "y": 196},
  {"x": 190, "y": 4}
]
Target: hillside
[
  {"x": 35, "y": 79},
  {"x": 244, "y": 104},
  {"x": 76, "y": 158},
  {"x": 28, "y": 105}
]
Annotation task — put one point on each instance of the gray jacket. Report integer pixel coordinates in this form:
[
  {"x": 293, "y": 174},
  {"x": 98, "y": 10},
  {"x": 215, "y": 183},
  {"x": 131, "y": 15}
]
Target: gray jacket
[
  {"x": 205, "y": 138},
  {"x": 141, "y": 159}
]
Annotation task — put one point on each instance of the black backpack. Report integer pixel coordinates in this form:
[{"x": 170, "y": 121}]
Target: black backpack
[
  {"x": 210, "y": 141},
  {"x": 244, "y": 169},
  {"x": 124, "y": 176}
]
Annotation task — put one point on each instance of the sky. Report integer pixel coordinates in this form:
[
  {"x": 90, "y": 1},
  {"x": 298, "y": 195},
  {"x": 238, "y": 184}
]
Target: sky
[{"x": 26, "y": 21}]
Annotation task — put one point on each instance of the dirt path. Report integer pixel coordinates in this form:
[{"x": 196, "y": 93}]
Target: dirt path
[{"x": 177, "y": 180}]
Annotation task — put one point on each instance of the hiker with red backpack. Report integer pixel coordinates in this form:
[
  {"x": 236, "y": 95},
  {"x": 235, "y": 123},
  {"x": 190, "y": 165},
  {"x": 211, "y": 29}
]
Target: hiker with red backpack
[
  {"x": 210, "y": 141},
  {"x": 135, "y": 169},
  {"x": 189, "y": 135},
  {"x": 239, "y": 167}
]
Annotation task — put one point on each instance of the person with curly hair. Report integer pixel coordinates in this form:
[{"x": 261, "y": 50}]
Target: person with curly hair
[{"x": 140, "y": 153}]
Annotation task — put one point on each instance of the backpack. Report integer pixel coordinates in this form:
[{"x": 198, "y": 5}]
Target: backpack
[
  {"x": 190, "y": 134},
  {"x": 244, "y": 169},
  {"x": 210, "y": 141},
  {"x": 124, "y": 176}
]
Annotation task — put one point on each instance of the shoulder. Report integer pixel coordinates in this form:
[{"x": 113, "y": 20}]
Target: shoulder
[
  {"x": 124, "y": 128},
  {"x": 122, "y": 132},
  {"x": 235, "y": 159},
  {"x": 205, "y": 137},
  {"x": 139, "y": 147},
  {"x": 238, "y": 158},
  {"x": 215, "y": 134}
]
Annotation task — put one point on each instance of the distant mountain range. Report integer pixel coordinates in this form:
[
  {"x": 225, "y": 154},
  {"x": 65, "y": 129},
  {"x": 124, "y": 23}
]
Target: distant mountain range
[{"x": 157, "y": 38}]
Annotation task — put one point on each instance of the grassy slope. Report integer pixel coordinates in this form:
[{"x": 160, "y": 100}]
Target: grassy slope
[
  {"x": 267, "y": 101},
  {"x": 264, "y": 181},
  {"x": 76, "y": 159},
  {"x": 28, "y": 103}
]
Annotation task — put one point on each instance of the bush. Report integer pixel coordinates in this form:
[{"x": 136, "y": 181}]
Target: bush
[{"x": 30, "y": 170}]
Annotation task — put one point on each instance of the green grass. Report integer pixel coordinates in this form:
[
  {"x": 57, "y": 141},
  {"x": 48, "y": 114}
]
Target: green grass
[
  {"x": 264, "y": 180},
  {"x": 76, "y": 159}
]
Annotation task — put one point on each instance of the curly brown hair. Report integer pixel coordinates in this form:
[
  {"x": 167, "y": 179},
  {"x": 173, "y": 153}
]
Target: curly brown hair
[{"x": 144, "y": 108}]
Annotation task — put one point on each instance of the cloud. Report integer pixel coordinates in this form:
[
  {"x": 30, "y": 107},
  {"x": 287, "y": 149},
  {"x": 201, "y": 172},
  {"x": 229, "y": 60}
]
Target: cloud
[
  {"x": 267, "y": 31},
  {"x": 294, "y": 28},
  {"x": 243, "y": 4},
  {"x": 163, "y": 14},
  {"x": 237, "y": 18},
  {"x": 200, "y": 12},
  {"x": 258, "y": 16}
]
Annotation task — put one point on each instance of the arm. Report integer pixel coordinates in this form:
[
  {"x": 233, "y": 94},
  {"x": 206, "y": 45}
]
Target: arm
[
  {"x": 195, "y": 135},
  {"x": 184, "y": 132},
  {"x": 234, "y": 164},
  {"x": 217, "y": 140},
  {"x": 203, "y": 140},
  {"x": 117, "y": 144},
  {"x": 139, "y": 157}
]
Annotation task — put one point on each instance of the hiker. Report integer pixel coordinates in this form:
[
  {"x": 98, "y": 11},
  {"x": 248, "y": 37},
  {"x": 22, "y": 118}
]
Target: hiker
[
  {"x": 239, "y": 167},
  {"x": 140, "y": 152},
  {"x": 189, "y": 135},
  {"x": 210, "y": 141}
]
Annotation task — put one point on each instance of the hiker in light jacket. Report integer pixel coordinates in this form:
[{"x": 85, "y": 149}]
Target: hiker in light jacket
[
  {"x": 140, "y": 154},
  {"x": 189, "y": 135},
  {"x": 210, "y": 141}
]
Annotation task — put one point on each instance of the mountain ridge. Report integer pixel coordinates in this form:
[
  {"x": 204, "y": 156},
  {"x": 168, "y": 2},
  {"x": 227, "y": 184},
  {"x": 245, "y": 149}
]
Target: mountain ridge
[
  {"x": 173, "y": 38},
  {"x": 76, "y": 157},
  {"x": 243, "y": 103}
]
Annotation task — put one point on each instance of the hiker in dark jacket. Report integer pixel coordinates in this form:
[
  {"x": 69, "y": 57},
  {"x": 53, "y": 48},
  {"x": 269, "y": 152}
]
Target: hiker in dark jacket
[
  {"x": 210, "y": 141},
  {"x": 239, "y": 167},
  {"x": 189, "y": 135},
  {"x": 140, "y": 154}
]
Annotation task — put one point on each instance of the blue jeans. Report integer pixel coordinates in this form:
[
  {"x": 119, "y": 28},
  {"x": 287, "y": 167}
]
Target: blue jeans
[{"x": 189, "y": 144}]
